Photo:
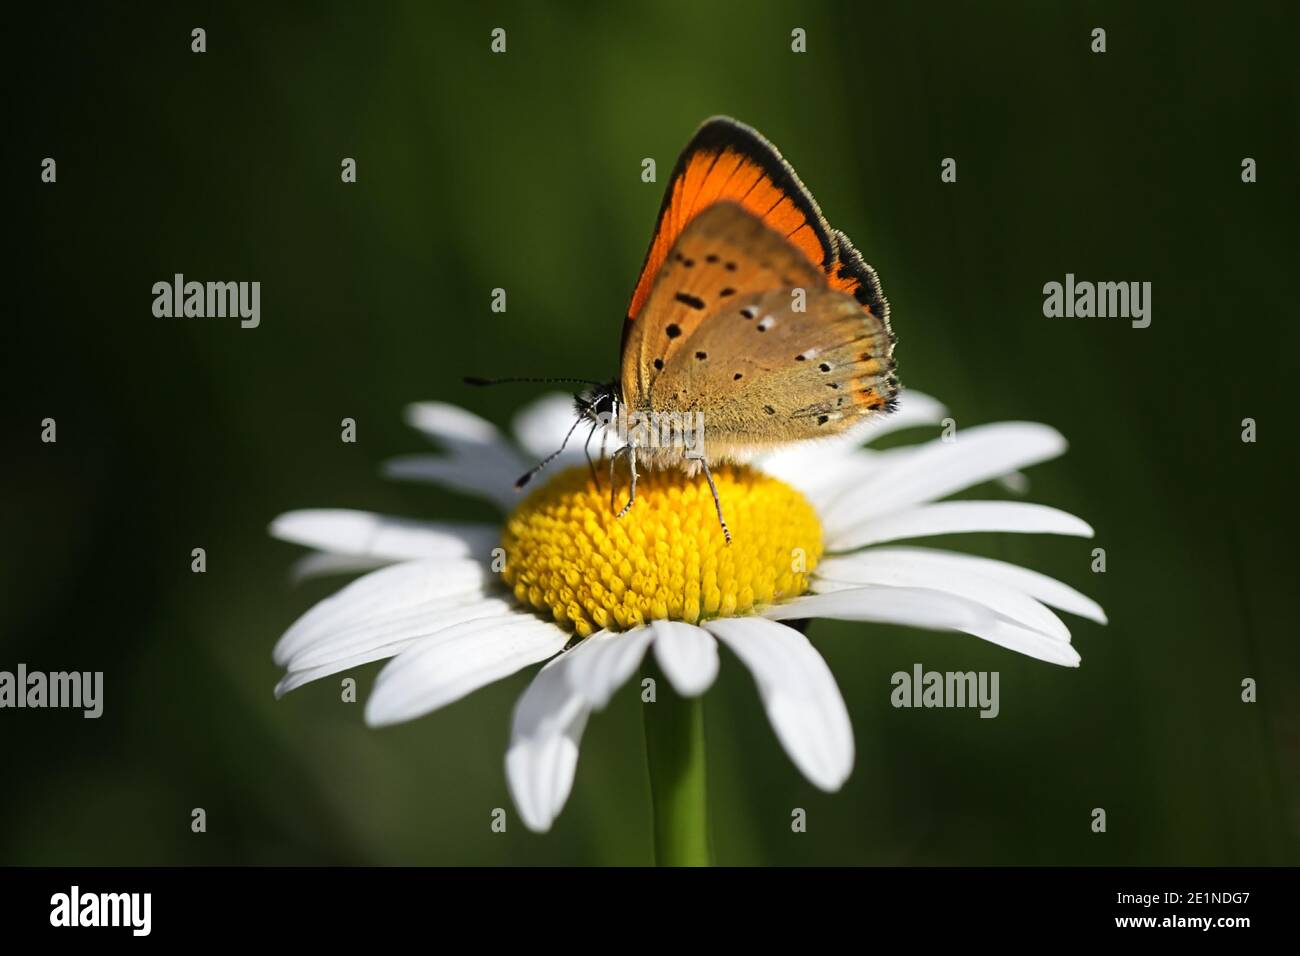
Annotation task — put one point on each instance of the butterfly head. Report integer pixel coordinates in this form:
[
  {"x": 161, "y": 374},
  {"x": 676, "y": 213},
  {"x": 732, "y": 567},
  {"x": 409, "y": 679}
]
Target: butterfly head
[{"x": 598, "y": 404}]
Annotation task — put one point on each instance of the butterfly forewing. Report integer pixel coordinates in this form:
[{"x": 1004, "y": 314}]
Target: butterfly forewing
[{"x": 727, "y": 161}]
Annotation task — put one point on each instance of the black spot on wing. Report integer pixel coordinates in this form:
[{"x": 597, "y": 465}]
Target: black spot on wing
[{"x": 685, "y": 298}]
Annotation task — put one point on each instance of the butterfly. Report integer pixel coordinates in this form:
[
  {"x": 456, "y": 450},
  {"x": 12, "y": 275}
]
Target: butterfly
[{"x": 753, "y": 323}]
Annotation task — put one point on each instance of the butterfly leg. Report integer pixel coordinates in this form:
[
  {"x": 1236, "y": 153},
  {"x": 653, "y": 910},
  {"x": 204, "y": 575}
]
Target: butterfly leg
[
  {"x": 717, "y": 502},
  {"x": 586, "y": 450},
  {"x": 631, "y": 460},
  {"x": 613, "y": 487}
]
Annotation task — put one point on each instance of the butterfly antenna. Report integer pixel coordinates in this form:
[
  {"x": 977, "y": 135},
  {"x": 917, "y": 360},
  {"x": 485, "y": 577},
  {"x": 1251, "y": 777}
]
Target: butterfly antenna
[
  {"x": 476, "y": 380},
  {"x": 527, "y": 476}
]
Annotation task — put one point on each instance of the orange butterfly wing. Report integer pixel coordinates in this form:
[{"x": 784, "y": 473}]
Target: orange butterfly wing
[{"x": 727, "y": 161}]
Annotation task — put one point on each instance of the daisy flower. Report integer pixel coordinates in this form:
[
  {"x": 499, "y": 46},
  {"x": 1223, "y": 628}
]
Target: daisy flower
[{"x": 565, "y": 584}]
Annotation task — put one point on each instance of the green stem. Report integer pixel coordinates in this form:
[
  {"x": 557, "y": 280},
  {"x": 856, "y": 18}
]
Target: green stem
[{"x": 674, "y": 749}]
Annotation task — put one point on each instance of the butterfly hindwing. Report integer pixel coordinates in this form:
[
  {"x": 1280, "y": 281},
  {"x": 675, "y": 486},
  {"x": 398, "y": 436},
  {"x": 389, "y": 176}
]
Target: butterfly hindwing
[
  {"x": 782, "y": 356},
  {"x": 750, "y": 308},
  {"x": 724, "y": 254}
]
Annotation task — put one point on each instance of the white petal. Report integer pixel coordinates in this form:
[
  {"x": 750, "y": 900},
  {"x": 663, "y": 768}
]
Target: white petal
[
  {"x": 453, "y": 427},
  {"x": 934, "y": 610},
  {"x": 543, "y": 753},
  {"x": 458, "y": 661},
  {"x": 602, "y": 663},
  {"x": 319, "y": 564},
  {"x": 390, "y": 591},
  {"x": 822, "y": 478},
  {"x": 481, "y": 476},
  {"x": 343, "y": 531},
  {"x": 378, "y": 646},
  {"x": 479, "y": 461},
  {"x": 832, "y": 480},
  {"x": 688, "y": 656},
  {"x": 1015, "y": 482},
  {"x": 941, "y": 468},
  {"x": 540, "y": 427},
  {"x": 1046, "y": 589},
  {"x": 959, "y": 517},
  {"x": 799, "y": 694},
  {"x": 900, "y": 569},
  {"x": 812, "y": 466},
  {"x": 914, "y": 409},
  {"x": 388, "y": 634}
]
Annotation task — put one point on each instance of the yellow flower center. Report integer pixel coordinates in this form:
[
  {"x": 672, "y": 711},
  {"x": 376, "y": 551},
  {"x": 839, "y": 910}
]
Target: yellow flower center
[{"x": 567, "y": 553}]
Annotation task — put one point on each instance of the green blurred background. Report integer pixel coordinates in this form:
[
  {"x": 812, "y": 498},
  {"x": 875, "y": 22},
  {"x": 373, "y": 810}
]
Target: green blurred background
[{"x": 522, "y": 171}]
